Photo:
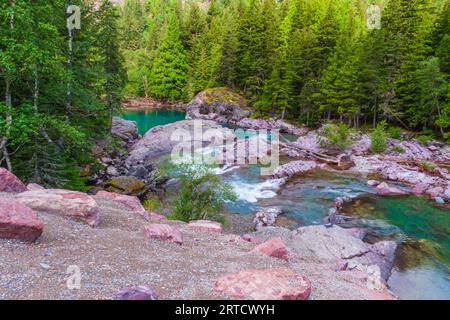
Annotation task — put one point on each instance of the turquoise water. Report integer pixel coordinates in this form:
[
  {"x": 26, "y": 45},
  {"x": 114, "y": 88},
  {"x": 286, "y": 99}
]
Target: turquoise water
[
  {"x": 422, "y": 269},
  {"x": 147, "y": 119}
]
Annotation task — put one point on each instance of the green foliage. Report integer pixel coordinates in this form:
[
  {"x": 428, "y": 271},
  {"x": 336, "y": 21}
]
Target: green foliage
[
  {"x": 395, "y": 133},
  {"x": 201, "y": 193},
  {"x": 423, "y": 139},
  {"x": 398, "y": 149},
  {"x": 152, "y": 204},
  {"x": 335, "y": 136},
  {"x": 428, "y": 166},
  {"x": 378, "y": 138}
]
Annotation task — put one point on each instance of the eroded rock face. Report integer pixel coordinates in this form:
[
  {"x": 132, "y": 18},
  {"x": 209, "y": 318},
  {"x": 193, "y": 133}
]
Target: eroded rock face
[
  {"x": 136, "y": 293},
  {"x": 266, "y": 217},
  {"x": 10, "y": 183},
  {"x": 274, "y": 247},
  {"x": 71, "y": 204},
  {"x": 206, "y": 226},
  {"x": 131, "y": 202},
  {"x": 384, "y": 189},
  {"x": 270, "y": 284},
  {"x": 294, "y": 168},
  {"x": 344, "y": 245},
  {"x": 158, "y": 141},
  {"x": 163, "y": 232},
  {"x": 125, "y": 129},
  {"x": 18, "y": 222}
]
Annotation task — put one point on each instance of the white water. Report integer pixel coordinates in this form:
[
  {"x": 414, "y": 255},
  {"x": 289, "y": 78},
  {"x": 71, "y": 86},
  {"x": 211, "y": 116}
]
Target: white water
[{"x": 252, "y": 192}]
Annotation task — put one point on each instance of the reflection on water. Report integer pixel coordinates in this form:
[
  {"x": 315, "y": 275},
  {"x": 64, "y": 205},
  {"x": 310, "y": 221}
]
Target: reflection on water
[{"x": 147, "y": 119}]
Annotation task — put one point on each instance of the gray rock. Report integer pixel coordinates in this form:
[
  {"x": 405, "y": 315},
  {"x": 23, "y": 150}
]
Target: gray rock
[
  {"x": 136, "y": 293},
  {"x": 266, "y": 217}
]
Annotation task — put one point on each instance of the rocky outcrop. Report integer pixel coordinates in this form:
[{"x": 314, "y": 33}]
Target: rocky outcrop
[
  {"x": 345, "y": 162},
  {"x": 294, "y": 168},
  {"x": 271, "y": 124},
  {"x": 270, "y": 284},
  {"x": 220, "y": 104},
  {"x": 125, "y": 129},
  {"x": 274, "y": 247},
  {"x": 206, "y": 226},
  {"x": 136, "y": 293},
  {"x": 18, "y": 222},
  {"x": 344, "y": 245},
  {"x": 384, "y": 189},
  {"x": 163, "y": 232},
  {"x": 10, "y": 183},
  {"x": 266, "y": 217},
  {"x": 163, "y": 139},
  {"x": 133, "y": 203},
  {"x": 71, "y": 204}
]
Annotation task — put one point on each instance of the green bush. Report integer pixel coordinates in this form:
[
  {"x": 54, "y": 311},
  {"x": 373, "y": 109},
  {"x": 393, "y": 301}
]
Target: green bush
[
  {"x": 395, "y": 133},
  {"x": 335, "y": 136},
  {"x": 398, "y": 149},
  {"x": 152, "y": 204},
  {"x": 201, "y": 193},
  {"x": 379, "y": 138},
  {"x": 423, "y": 139}
]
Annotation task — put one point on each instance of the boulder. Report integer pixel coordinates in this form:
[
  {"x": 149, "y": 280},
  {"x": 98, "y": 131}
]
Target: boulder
[
  {"x": 10, "y": 183},
  {"x": 294, "y": 168},
  {"x": 435, "y": 192},
  {"x": 420, "y": 188},
  {"x": 383, "y": 189},
  {"x": 266, "y": 217},
  {"x": 373, "y": 183},
  {"x": 34, "y": 186},
  {"x": 126, "y": 185},
  {"x": 152, "y": 216},
  {"x": 125, "y": 129},
  {"x": 269, "y": 284},
  {"x": 18, "y": 222},
  {"x": 274, "y": 247},
  {"x": 131, "y": 202},
  {"x": 72, "y": 204},
  {"x": 136, "y": 293},
  {"x": 345, "y": 162},
  {"x": 206, "y": 226},
  {"x": 163, "y": 232},
  {"x": 181, "y": 134}
]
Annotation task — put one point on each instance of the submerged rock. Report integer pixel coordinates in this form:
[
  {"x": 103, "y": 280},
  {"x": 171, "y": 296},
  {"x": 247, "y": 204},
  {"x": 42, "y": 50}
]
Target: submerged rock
[
  {"x": 10, "y": 183},
  {"x": 18, "y": 222},
  {"x": 72, "y": 204},
  {"x": 270, "y": 284}
]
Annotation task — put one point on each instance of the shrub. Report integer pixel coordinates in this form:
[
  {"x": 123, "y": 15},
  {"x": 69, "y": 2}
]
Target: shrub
[
  {"x": 428, "y": 166},
  {"x": 395, "y": 133},
  {"x": 423, "y": 139},
  {"x": 335, "y": 136},
  {"x": 201, "y": 193},
  {"x": 152, "y": 204},
  {"x": 379, "y": 138},
  {"x": 398, "y": 149}
]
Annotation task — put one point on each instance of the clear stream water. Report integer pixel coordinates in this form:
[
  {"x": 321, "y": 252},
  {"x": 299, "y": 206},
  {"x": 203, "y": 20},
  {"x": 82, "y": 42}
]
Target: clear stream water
[{"x": 422, "y": 269}]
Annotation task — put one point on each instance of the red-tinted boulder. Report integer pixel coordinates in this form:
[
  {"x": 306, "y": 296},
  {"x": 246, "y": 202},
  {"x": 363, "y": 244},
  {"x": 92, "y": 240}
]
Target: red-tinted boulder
[
  {"x": 270, "y": 284},
  {"x": 128, "y": 201},
  {"x": 136, "y": 293},
  {"x": 163, "y": 232},
  {"x": 383, "y": 189},
  {"x": 72, "y": 204},
  {"x": 275, "y": 247},
  {"x": 206, "y": 225},
  {"x": 252, "y": 239},
  {"x": 10, "y": 183},
  {"x": 18, "y": 222}
]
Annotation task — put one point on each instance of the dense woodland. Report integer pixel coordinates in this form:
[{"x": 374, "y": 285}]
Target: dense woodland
[{"x": 307, "y": 61}]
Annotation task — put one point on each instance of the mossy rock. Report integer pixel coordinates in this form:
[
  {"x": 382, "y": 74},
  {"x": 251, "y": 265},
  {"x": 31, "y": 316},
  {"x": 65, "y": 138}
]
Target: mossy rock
[
  {"x": 126, "y": 185},
  {"x": 222, "y": 95}
]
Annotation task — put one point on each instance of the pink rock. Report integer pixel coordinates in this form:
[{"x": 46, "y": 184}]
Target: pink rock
[
  {"x": 274, "y": 247},
  {"x": 163, "y": 232},
  {"x": 18, "y": 222},
  {"x": 294, "y": 168},
  {"x": 10, "y": 183},
  {"x": 373, "y": 183},
  {"x": 151, "y": 216},
  {"x": 435, "y": 192},
  {"x": 383, "y": 189},
  {"x": 34, "y": 186},
  {"x": 252, "y": 239},
  {"x": 420, "y": 188},
  {"x": 270, "y": 284},
  {"x": 136, "y": 293},
  {"x": 128, "y": 201},
  {"x": 206, "y": 225},
  {"x": 72, "y": 204}
]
